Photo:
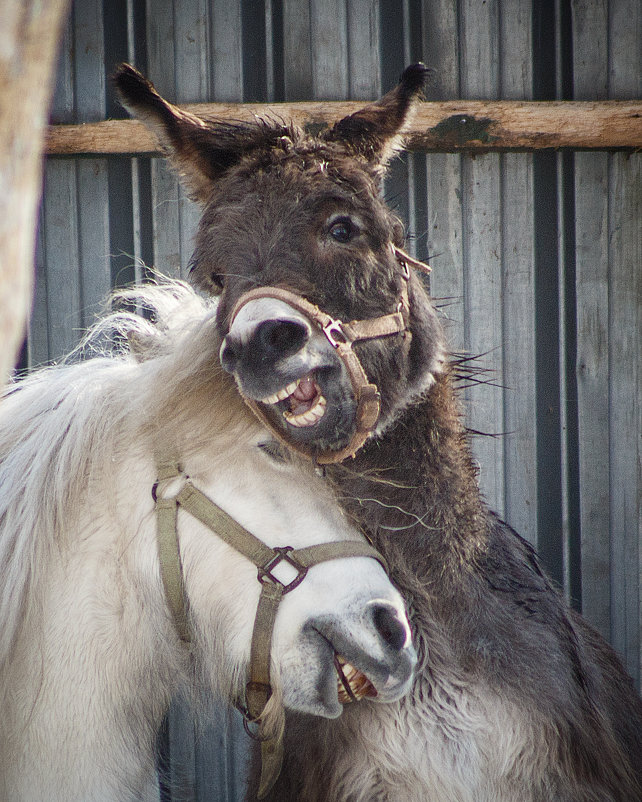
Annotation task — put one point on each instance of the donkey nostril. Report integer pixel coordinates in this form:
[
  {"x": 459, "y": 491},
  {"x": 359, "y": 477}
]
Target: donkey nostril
[
  {"x": 388, "y": 625},
  {"x": 228, "y": 356},
  {"x": 282, "y": 337}
]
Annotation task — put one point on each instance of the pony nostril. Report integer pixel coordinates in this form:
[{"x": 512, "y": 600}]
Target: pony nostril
[
  {"x": 388, "y": 625},
  {"x": 282, "y": 337},
  {"x": 229, "y": 355}
]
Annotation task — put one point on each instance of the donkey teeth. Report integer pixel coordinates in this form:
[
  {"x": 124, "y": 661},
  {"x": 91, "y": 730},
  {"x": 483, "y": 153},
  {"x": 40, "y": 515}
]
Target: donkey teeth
[
  {"x": 308, "y": 418},
  {"x": 281, "y": 394}
]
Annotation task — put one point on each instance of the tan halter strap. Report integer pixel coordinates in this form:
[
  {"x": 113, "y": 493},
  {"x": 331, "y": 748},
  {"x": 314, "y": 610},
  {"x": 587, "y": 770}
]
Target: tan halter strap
[
  {"x": 342, "y": 336},
  {"x": 405, "y": 258},
  {"x": 266, "y": 559}
]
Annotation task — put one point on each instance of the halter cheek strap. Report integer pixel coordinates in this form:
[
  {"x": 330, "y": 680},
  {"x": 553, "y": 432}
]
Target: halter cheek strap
[
  {"x": 342, "y": 336},
  {"x": 258, "y": 689}
]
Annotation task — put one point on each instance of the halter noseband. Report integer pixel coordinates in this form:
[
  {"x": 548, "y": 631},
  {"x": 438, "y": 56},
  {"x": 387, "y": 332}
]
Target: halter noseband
[
  {"x": 341, "y": 337},
  {"x": 258, "y": 689}
]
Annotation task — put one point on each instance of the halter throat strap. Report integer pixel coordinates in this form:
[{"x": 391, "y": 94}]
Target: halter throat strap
[{"x": 258, "y": 689}]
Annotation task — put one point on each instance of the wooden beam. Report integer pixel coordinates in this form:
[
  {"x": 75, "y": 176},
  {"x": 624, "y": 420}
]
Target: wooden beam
[{"x": 458, "y": 125}]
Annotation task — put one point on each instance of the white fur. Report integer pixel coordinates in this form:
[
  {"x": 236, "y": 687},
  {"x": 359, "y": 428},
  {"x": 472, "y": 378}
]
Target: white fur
[{"x": 89, "y": 658}]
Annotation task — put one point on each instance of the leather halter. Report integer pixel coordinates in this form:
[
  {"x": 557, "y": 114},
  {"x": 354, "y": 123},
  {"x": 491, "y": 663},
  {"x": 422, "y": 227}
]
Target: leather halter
[
  {"x": 341, "y": 337},
  {"x": 191, "y": 499}
]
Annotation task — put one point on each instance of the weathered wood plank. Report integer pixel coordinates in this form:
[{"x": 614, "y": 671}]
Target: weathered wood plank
[
  {"x": 591, "y": 204},
  {"x": 329, "y": 54},
  {"x": 400, "y": 178},
  {"x": 444, "y": 126},
  {"x": 92, "y": 174},
  {"x": 227, "y": 51},
  {"x": 59, "y": 226},
  {"x": 625, "y": 386},
  {"x": 625, "y": 357},
  {"x": 445, "y": 243},
  {"x": 191, "y": 59},
  {"x": 590, "y": 72},
  {"x": 166, "y": 196},
  {"x": 483, "y": 314},
  {"x": 221, "y": 757},
  {"x": 60, "y": 230},
  {"x": 297, "y": 49},
  {"x": 363, "y": 54},
  {"x": 518, "y": 287},
  {"x": 38, "y": 328},
  {"x": 445, "y": 233}
]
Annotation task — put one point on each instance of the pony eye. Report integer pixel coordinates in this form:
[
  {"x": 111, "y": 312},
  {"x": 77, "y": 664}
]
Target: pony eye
[
  {"x": 275, "y": 451},
  {"x": 343, "y": 229}
]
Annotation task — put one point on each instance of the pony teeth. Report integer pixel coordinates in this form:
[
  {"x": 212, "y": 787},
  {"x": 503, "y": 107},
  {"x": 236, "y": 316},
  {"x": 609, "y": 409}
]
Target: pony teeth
[
  {"x": 359, "y": 685},
  {"x": 308, "y": 418},
  {"x": 349, "y": 670},
  {"x": 281, "y": 394}
]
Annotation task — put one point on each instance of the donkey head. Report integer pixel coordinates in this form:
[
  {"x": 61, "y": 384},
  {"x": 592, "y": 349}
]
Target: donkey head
[{"x": 285, "y": 209}]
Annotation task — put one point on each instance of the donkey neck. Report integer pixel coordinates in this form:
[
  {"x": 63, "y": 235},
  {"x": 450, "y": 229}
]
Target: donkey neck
[{"x": 417, "y": 485}]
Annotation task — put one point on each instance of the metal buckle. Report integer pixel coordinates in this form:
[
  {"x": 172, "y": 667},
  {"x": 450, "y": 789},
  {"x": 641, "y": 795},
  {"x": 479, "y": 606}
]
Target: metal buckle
[
  {"x": 331, "y": 329},
  {"x": 253, "y": 735},
  {"x": 248, "y": 721},
  {"x": 282, "y": 555}
]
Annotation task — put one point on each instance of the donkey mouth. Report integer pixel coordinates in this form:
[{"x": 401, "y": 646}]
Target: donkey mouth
[
  {"x": 301, "y": 402},
  {"x": 352, "y": 684}
]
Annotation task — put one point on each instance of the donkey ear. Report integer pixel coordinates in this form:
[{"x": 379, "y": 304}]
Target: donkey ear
[
  {"x": 194, "y": 147},
  {"x": 375, "y": 132}
]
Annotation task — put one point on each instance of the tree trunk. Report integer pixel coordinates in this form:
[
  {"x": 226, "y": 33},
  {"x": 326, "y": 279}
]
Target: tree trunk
[{"x": 29, "y": 36}]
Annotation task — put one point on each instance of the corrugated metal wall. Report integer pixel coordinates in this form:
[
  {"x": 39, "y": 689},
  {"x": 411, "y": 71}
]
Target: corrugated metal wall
[{"x": 536, "y": 257}]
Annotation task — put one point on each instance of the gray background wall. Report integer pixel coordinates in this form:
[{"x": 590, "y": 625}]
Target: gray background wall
[{"x": 536, "y": 257}]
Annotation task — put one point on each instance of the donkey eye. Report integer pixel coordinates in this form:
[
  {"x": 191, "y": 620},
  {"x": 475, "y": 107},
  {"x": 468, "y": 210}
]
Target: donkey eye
[{"x": 343, "y": 229}]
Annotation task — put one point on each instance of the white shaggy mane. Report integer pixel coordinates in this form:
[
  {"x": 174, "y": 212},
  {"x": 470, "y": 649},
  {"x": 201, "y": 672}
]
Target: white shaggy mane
[{"x": 61, "y": 427}]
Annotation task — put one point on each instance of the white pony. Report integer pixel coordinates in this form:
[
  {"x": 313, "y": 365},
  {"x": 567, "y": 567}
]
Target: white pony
[{"x": 89, "y": 655}]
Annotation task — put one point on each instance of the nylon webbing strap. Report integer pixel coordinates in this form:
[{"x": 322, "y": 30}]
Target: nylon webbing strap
[
  {"x": 311, "y": 555},
  {"x": 376, "y": 327},
  {"x": 195, "y": 502},
  {"x": 403, "y": 257},
  {"x": 207, "y": 512},
  {"x": 353, "y": 331},
  {"x": 170, "y": 564},
  {"x": 271, "y": 763},
  {"x": 257, "y": 691}
]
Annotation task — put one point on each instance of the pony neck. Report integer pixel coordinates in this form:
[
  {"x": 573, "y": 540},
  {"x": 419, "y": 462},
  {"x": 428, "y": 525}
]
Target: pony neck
[
  {"x": 111, "y": 710},
  {"x": 416, "y": 486}
]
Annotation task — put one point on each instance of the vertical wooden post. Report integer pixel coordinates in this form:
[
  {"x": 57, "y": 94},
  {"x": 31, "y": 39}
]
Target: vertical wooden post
[{"x": 29, "y": 37}]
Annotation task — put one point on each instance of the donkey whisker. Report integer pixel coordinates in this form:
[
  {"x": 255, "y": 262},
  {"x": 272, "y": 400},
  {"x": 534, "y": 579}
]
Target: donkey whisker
[{"x": 418, "y": 520}]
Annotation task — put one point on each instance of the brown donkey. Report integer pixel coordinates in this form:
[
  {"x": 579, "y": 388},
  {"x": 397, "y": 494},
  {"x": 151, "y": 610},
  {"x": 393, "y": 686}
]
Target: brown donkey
[{"x": 335, "y": 343}]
